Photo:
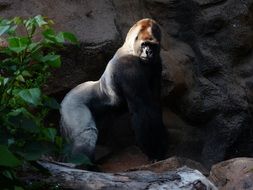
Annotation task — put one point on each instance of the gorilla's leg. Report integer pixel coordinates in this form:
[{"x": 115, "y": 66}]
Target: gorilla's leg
[
  {"x": 146, "y": 113},
  {"x": 78, "y": 126}
]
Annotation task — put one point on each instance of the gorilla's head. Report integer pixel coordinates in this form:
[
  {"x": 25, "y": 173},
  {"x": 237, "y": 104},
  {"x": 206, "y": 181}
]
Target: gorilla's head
[{"x": 144, "y": 39}]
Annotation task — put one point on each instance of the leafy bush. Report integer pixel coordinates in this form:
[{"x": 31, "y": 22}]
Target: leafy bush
[{"x": 28, "y": 49}]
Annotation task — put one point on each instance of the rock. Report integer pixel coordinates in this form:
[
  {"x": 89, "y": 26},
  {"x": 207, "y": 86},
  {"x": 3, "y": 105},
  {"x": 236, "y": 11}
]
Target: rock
[
  {"x": 233, "y": 174},
  {"x": 132, "y": 159},
  {"x": 216, "y": 102},
  {"x": 177, "y": 77},
  {"x": 171, "y": 164},
  {"x": 184, "y": 139},
  {"x": 123, "y": 160},
  {"x": 92, "y": 23},
  {"x": 207, "y": 62},
  {"x": 208, "y": 3}
]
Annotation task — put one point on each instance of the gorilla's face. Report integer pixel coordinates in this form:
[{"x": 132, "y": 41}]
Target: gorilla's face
[
  {"x": 147, "y": 40},
  {"x": 148, "y": 50}
]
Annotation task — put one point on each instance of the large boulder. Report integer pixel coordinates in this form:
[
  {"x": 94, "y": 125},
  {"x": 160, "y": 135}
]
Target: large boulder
[
  {"x": 207, "y": 63},
  {"x": 233, "y": 174}
]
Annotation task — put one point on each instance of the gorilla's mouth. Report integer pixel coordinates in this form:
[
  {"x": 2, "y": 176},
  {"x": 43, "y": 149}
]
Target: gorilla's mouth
[
  {"x": 145, "y": 58},
  {"x": 146, "y": 53}
]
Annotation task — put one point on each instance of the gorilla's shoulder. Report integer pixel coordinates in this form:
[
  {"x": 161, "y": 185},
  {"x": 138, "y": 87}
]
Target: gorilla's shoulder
[
  {"x": 126, "y": 59},
  {"x": 126, "y": 64}
]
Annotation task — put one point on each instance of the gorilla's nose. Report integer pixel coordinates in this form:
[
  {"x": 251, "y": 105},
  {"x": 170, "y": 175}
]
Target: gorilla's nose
[{"x": 149, "y": 52}]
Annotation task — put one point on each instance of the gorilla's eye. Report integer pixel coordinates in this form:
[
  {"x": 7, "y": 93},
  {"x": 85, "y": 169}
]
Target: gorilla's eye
[{"x": 144, "y": 44}]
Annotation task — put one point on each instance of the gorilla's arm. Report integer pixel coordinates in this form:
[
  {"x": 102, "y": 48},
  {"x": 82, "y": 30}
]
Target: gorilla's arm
[{"x": 145, "y": 111}]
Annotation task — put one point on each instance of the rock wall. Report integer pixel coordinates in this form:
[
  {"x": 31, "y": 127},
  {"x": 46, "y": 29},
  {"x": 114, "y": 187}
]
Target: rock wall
[{"x": 207, "y": 63}]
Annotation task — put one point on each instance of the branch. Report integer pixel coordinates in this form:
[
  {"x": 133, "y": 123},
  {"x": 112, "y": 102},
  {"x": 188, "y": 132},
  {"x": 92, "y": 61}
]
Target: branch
[{"x": 69, "y": 178}]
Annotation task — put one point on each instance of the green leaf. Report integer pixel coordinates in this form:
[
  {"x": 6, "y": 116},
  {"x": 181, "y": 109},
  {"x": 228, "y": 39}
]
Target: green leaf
[
  {"x": 79, "y": 159},
  {"x": 40, "y": 20},
  {"x": 4, "y": 21},
  {"x": 30, "y": 25},
  {"x": 67, "y": 36},
  {"x": 17, "y": 20},
  {"x": 8, "y": 174},
  {"x": 18, "y": 188},
  {"x": 18, "y": 44},
  {"x": 12, "y": 30},
  {"x": 49, "y": 133},
  {"x": 32, "y": 95},
  {"x": 58, "y": 141},
  {"x": 34, "y": 46},
  {"x": 20, "y": 78},
  {"x": 8, "y": 159},
  {"x": 26, "y": 73},
  {"x": 21, "y": 117},
  {"x": 51, "y": 103},
  {"x": 49, "y": 34},
  {"x": 24, "y": 121},
  {"x": 4, "y": 29},
  {"x": 19, "y": 111},
  {"x": 35, "y": 155},
  {"x": 37, "y": 56},
  {"x": 34, "y": 151},
  {"x": 52, "y": 60},
  {"x": 4, "y": 81},
  {"x": 26, "y": 124},
  {"x": 10, "y": 141}
]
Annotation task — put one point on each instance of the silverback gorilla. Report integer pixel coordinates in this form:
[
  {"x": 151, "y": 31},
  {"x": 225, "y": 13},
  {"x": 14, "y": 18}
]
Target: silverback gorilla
[{"x": 133, "y": 78}]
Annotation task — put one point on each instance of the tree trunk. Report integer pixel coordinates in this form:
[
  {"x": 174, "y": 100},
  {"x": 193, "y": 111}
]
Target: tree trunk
[{"x": 65, "y": 177}]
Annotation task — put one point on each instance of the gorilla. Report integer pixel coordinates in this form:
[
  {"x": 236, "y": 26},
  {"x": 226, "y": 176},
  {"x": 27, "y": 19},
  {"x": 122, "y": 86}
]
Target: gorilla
[{"x": 131, "y": 78}]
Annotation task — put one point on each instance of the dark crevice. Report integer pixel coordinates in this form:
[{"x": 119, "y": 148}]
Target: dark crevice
[{"x": 212, "y": 4}]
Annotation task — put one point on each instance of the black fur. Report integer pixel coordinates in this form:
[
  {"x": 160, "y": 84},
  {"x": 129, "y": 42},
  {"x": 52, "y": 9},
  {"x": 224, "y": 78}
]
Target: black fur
[
  {"x": 132, "y": 78},
  {"x": 139, "y": 84}
]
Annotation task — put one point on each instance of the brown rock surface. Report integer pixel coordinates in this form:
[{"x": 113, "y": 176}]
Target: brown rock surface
[
  {"x": 93, "y": 24},
  {"x": 172, "y": 164},
  {"x": 234, "y": 174},
  {"x": 130, "y": 157}
]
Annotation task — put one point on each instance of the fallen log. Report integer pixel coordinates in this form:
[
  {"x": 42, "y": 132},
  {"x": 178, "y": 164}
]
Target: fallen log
[{"x": 65, "y": 177}]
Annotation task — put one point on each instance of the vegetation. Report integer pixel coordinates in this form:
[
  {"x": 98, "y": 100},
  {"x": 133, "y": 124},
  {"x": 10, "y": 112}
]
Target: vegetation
[{"x": 28, "y": 49}]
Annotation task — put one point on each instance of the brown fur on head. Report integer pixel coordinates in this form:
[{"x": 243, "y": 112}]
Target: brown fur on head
[
  {"x": 143, "y": 39},
  {"x": 149, "y": 30}
]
